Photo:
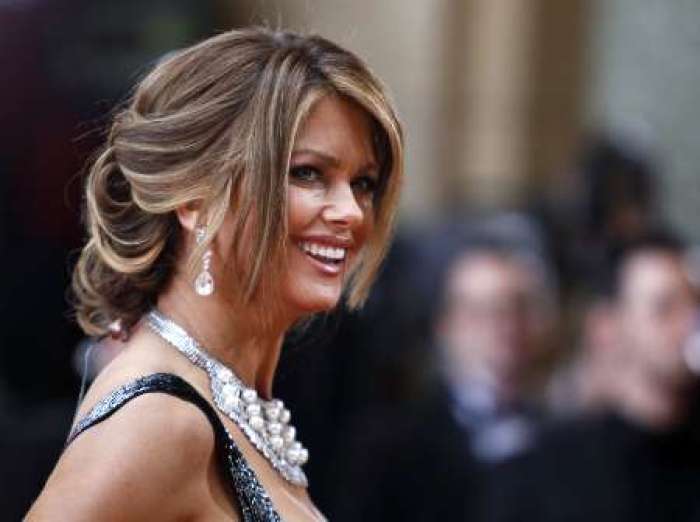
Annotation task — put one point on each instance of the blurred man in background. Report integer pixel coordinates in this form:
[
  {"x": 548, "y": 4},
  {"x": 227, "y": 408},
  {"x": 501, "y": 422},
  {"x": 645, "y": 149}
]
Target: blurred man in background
[
  {"x": 497, "y": 306},
  {"x": 639, "y": 459},
  {"x": 428, "y": 462},
  {"x": 657, "y": 311}
]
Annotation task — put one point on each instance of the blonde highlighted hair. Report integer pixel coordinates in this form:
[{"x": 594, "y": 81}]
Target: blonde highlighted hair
[{"x": 214, "y": 124}]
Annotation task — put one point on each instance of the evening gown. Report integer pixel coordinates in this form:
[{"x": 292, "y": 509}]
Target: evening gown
[{"x": 245, "y": 489}]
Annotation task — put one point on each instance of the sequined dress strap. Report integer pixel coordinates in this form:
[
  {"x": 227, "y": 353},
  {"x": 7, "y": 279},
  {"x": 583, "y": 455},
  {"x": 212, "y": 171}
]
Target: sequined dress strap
[{"x": 252, "y": 498}]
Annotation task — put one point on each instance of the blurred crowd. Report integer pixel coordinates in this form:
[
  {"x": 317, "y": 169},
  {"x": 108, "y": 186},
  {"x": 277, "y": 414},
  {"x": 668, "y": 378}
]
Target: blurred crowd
[
  {"x": 528, "y": 364},
  {"x": 543, "y": 366}
]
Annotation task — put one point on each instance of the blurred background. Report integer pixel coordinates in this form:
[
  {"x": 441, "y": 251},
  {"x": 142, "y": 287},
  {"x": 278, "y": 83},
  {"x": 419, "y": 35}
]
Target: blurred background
[{"x": 531, "y": 347}]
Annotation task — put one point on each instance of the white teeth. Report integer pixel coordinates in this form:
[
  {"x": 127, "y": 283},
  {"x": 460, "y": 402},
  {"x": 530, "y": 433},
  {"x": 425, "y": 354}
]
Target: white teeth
[{"x": 316, "y": 249}]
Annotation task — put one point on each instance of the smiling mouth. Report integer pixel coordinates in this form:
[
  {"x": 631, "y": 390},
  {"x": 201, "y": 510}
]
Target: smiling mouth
[{"x": 329, "y": 256}]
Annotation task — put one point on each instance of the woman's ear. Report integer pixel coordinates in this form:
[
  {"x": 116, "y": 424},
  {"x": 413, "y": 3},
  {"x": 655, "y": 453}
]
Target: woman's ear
[{"x": 188, "y": 215}]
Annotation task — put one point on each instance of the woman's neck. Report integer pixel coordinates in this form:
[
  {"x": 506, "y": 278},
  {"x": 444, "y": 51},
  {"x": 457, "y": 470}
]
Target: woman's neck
[{"x": 237, "y": 335}]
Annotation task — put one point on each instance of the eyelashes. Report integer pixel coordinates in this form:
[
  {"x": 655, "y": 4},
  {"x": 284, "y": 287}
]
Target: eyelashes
[
  {"x": 366, "y": 184},
  {"x": 307, "y": 174}
]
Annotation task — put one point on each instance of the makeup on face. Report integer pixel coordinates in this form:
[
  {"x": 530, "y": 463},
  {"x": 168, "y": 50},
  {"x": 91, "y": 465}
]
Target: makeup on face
[{"x": 332, "y": 183}]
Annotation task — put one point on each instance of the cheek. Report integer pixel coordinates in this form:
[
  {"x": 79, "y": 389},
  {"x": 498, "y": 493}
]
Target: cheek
[{"x": 303, "y": 206}]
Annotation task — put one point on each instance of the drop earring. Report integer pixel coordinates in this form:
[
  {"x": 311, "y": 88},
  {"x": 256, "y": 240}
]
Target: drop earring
[{"x": 204, "y": 283}]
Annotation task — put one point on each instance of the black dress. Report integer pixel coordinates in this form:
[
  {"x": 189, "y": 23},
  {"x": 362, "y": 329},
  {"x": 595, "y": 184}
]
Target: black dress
[{"x": 246, "y": 490}]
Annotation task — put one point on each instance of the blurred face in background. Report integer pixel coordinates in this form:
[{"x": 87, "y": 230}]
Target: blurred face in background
[
  {"x": 492, "y": 322},
  {"x": 657, "y": 311}
]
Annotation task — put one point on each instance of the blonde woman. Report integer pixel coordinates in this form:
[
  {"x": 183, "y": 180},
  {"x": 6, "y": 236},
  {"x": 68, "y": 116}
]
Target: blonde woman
[{"x": 251, "y": 182}]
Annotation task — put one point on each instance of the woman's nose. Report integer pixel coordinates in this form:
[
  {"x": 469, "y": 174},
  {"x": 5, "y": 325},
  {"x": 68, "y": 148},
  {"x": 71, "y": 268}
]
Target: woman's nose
[{"x": 342, "y": 208}]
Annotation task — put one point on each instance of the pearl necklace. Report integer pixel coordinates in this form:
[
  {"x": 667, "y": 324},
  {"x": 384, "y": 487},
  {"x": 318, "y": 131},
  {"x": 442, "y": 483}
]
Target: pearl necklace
[{"x": 264, "y": 423}]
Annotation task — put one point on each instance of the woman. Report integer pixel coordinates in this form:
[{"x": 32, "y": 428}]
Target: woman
[{"x": 252, "y": 181}]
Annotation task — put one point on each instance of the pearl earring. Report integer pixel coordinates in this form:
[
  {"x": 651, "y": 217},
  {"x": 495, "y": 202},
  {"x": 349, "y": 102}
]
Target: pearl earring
[{"x": 204, "y": 283}]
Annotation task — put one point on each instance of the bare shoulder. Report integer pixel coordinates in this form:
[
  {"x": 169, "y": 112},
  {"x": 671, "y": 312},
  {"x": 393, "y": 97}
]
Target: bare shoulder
[{"x": 150, "y": 457}]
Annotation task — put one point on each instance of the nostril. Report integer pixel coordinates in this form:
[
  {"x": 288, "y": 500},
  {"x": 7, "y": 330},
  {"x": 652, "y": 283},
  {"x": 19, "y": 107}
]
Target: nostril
[{"x": 343, "y": 215}]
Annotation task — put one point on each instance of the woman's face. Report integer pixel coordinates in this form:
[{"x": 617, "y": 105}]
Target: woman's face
[{"x": 331, "y": 184}]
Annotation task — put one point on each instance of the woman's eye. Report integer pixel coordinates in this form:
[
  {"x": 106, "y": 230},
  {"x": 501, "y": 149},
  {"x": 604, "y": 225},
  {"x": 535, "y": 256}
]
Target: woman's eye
[
  {"x": 304, "y": 173},
  {"x": 365, "y": 184}
]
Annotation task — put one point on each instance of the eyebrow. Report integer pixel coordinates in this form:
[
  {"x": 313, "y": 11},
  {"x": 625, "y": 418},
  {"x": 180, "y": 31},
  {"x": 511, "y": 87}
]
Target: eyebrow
[{"x": 332, "y": 161}]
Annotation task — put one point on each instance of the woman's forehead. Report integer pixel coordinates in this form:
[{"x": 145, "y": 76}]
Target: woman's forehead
[{"x": 337, "y": 128}]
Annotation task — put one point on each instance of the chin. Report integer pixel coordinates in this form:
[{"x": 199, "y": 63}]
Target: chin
[{"x": 311, "y": 301}]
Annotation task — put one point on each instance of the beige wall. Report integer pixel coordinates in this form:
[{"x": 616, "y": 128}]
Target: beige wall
[
  {"x": 487, "y": 89},
  {"x": 644, "y": 87}
]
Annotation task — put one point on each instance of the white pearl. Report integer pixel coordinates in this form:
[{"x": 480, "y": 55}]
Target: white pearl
[
  {"x": 250, "y": 395},
  {"x": 253, "y": 410},
  {"x": 272, "y": 412},
  {"x": 285, "y": 416},
  {"x": 292, "y": 455},
  {"x": 257, "y": 423},
  {"x": 289, "y": 433},
  {"x": 274, "y": 428},
  {"x": 303, "y": 456},
  {"x": 276, "y": 443}
]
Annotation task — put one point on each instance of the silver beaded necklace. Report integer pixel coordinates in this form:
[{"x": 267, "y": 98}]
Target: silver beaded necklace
[{"x": 264, "y": 423}]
